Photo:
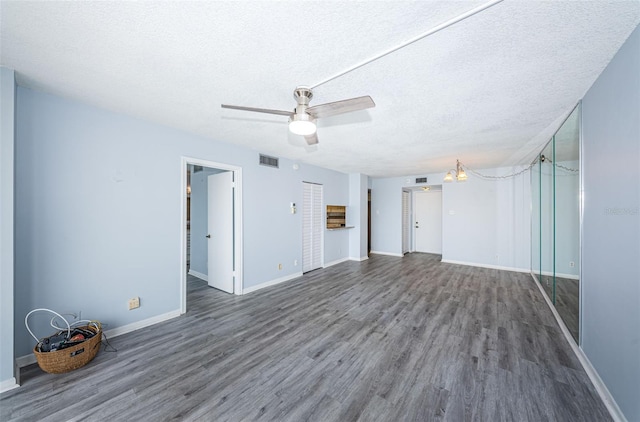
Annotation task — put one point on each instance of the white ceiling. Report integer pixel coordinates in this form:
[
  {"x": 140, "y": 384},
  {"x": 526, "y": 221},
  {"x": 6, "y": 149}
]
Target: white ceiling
[{"x": 489, "y": 90}]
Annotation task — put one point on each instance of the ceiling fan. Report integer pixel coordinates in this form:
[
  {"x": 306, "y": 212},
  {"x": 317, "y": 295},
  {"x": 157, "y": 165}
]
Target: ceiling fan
[{"x": 302, "y": 120}]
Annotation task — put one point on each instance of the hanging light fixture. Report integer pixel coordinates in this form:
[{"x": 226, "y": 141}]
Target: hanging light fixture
[{"x": 461, "y": 176}]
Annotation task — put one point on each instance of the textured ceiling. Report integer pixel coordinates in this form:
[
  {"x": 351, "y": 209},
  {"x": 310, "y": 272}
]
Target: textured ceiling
[{"x": 489, "y": 90}]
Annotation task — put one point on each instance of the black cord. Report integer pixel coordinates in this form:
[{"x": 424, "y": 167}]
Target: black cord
[{"x": 107, "y": 345}]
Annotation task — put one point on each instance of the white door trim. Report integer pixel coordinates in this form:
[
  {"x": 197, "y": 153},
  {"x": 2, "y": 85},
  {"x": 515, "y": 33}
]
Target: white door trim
[{"x": 237, "y": 212}]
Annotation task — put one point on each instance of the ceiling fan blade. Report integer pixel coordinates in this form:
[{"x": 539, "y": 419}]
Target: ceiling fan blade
[
  {"x": 312, "y": 139},
  {"x": 339, "y": 107},
  {"x": 259, "y": 110}
]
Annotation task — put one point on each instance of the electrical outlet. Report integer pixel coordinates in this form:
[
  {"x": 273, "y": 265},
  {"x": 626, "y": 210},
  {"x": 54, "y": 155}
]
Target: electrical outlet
[
  {"x": 572, "y": 264},
  {"x": 134, "y": 303},
  {"x": 279, "y": 266}
]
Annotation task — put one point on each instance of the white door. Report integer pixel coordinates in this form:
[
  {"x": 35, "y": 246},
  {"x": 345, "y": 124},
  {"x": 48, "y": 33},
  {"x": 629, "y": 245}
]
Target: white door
[
  {"x": 406, "y": 221},
  {"x": 220, "y": 231},
  {"x": 428, "y": 219},
  {"x": 311, "y": 227}
]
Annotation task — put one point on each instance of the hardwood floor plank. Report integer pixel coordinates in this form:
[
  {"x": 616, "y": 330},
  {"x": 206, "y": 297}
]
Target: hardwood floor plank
[{"x": 386, "y": 339}]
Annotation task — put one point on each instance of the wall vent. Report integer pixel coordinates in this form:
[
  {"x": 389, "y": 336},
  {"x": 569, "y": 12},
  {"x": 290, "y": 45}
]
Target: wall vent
[
  {"x": 265, "y": 160},
  {"x": 421, "y": 180}
]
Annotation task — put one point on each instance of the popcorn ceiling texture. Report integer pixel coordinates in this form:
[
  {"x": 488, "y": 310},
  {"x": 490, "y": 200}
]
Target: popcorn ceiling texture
[{"x": 489, "y": 90}]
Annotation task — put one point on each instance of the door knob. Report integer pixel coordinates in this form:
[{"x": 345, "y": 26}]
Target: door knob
[{"x": 208, "y": 236}]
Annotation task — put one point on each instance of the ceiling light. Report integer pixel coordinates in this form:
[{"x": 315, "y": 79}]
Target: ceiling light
[
  {"x": 461, "y": 176},
  {"x": 448, "y": 178},
  {"x": 426, "y": 188},
  {"x": 302, "y": 124}
]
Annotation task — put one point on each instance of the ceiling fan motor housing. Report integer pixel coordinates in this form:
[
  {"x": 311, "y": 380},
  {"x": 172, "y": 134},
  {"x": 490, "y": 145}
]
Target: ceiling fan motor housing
[{"x": 302, "y": 95}]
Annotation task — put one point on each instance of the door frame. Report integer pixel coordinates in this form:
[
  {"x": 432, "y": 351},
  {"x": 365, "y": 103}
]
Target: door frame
[{"x": 237, "y": 218}]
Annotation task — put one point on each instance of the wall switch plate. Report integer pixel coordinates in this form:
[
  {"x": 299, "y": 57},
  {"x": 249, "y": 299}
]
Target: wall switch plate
[
  {"x": 134, "y": 303},
  {"x": 279, "y": 266}
]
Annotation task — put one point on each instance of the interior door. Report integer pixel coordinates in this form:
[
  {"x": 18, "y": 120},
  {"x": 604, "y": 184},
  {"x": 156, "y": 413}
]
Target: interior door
[
  {"x": 428, "y": 219},
  {"x": 220, "y": 231}
]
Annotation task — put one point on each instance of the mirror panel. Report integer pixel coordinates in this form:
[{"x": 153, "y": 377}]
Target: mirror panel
[
  {"x": 547, "y": 221},
  {"x": 555, "y": 221},
  {"x": 567, "y": 216}
]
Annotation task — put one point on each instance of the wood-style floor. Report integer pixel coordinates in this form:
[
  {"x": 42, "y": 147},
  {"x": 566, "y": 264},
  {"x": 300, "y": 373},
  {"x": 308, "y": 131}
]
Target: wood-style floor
[{"x": 388, "y": 339}]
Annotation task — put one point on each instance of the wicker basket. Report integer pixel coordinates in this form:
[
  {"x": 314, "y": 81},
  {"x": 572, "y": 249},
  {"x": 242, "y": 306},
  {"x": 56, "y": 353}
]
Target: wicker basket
[{"x": 65, "y": 360}]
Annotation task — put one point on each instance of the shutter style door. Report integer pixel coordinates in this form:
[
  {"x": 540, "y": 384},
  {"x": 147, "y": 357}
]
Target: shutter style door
[
  {"x": 406, "y": 222},
  {"x": 311, "y": 227},
  {"x": 316, "y": 254}
]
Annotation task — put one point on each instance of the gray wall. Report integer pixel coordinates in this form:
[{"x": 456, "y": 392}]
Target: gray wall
[
  {"x": 98, "y": 222},
  {"x": 611, "y": 227},
  {"x": 357, "y": 216},
  {"x": 7, "y": 114}
]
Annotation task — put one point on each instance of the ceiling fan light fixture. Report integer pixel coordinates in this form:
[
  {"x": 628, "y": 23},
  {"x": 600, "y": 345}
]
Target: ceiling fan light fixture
[{"x": 302, "y": 124}]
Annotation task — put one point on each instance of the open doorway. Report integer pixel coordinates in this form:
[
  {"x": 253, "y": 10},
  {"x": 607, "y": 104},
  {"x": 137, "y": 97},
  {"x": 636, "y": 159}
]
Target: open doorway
[{"x": 211, "y": 226}]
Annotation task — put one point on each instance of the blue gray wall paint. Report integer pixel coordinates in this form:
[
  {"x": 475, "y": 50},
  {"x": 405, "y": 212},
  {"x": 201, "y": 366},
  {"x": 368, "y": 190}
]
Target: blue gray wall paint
[
  {"x": 7, "y": 130},
  {"x": 357, "y": 216},
  {"x": 99, "y": 221},
  {"x": 480, "y": 219},
  {"x": 611, "y": 226}
]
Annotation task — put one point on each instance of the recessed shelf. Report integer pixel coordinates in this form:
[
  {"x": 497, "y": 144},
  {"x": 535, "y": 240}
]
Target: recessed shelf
[{"x": 336, "y": 216}]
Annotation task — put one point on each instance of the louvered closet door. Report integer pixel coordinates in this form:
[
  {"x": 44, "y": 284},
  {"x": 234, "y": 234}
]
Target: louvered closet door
[{"x": 311, "y": 227}]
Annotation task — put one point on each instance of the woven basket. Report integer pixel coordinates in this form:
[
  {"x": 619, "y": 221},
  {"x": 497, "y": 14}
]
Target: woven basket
[{"x": 74, "y": 357}]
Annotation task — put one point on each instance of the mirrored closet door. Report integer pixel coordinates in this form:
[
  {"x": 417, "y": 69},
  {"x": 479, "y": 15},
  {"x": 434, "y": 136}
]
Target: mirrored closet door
[{"x": 555, "y": 234}]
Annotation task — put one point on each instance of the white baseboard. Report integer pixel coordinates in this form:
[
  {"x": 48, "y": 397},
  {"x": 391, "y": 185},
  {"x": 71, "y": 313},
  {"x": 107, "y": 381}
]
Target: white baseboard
[
  {"x": 362, "y": 258},
  {"x": 601, "y": 388},
  {"x": 493, "y": 267},
  {"x": 336, "y": 262},
  {"x": 8, "y": 384},
  {"x": 271, "y": 283},
  {"x": 124, "y": 329},
  {"x": 29, "y": 359},
  {"x": 399, "y": 255},
  {"x": 569, "y": 276},
  {"x": 25, "y": 360},
  {"x": 201, "y": 276}
]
